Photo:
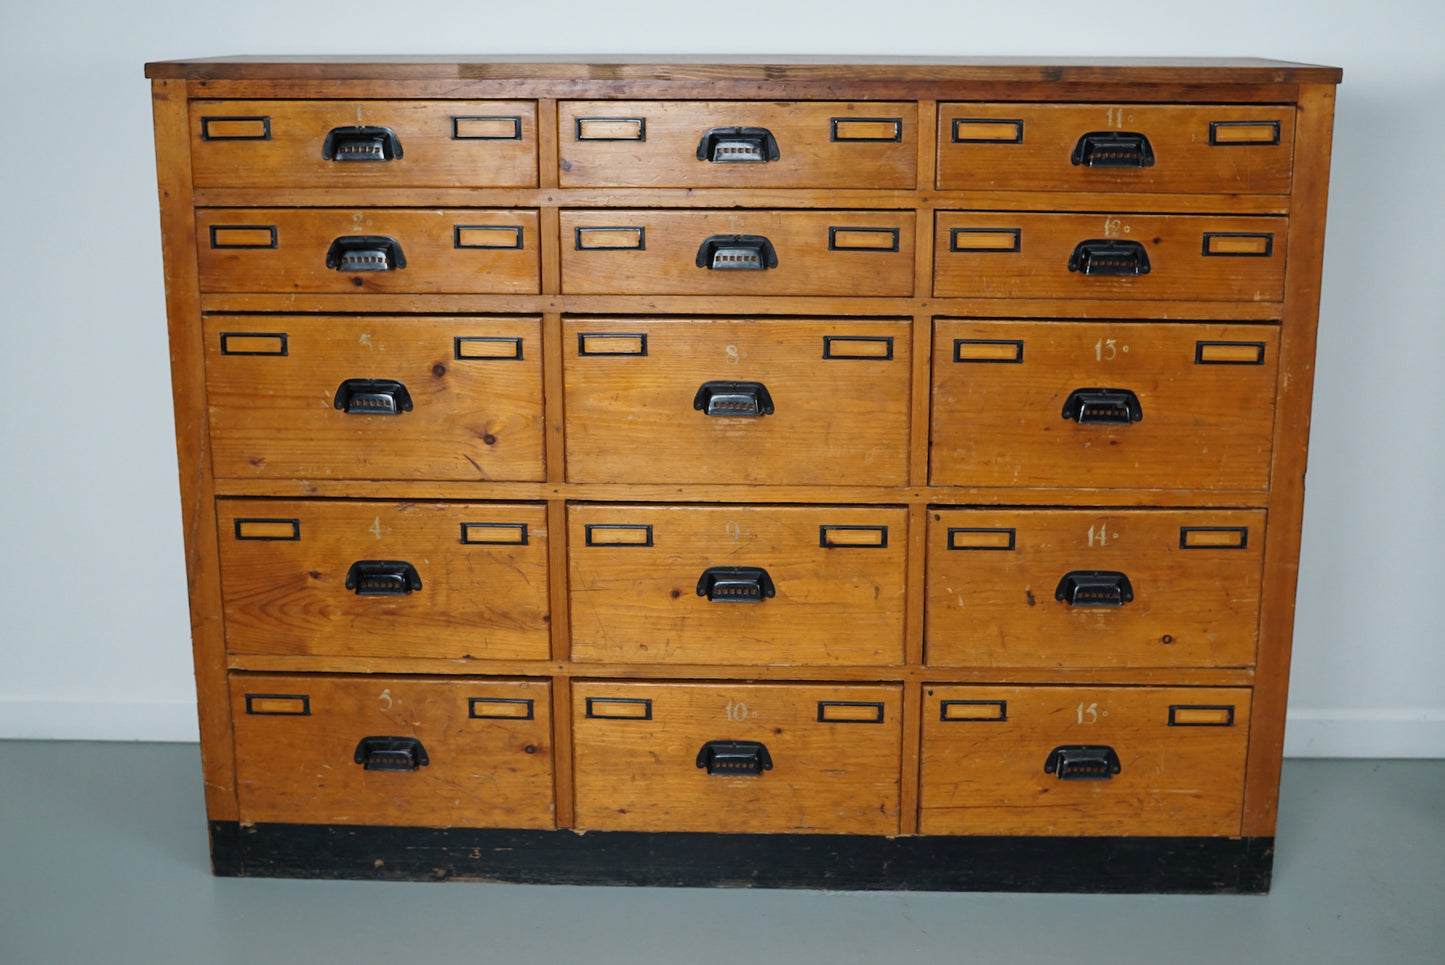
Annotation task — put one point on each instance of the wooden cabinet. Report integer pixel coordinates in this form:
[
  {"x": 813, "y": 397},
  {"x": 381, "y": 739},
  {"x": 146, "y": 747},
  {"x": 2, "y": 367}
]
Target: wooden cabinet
[{"x": 853, "y": 475}]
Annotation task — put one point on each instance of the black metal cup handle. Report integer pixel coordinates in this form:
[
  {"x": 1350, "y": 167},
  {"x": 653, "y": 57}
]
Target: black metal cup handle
[
  {"x": 736, "y": 253},
  {"x": 734, "y": 145},
  {"x": 729, "y": 758},
  {"x": 1083, "y": 762},
  {"x": 1113, "y": 149},
  {"x": 1109, "y": 256},
  {"x": 1094, "y": 588},
  {"x": 1103, "y": 406},
  {"x": 372, "y": 397},
  {"x": 365, "y": 253},
  {"x": 747, "y": 400},
  {"x": 736, "y": 584},
  {"x": 361, "y": 144},
  {"x": 390, "y": 754},
  {"x": 382, "y": 578}
]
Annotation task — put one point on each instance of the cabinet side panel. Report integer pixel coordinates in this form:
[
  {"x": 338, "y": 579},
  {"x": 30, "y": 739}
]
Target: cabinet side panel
[
  {"x": 188, "y": 387},
  {"x": 1313, "y": 128}
]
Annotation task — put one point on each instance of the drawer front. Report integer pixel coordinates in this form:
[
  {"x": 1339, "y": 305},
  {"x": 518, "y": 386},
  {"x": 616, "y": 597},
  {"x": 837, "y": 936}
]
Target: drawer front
[
  {"x": 464, "y": 752},
  {"x": 817, "y": 585},
  {"x": 736, "y": 757},
  {"x": 737, "y": 252},
  {"x": 1161, "y": 256},
  {"x": 1083, "y": 760},
  {"x": 772, "y": 402},
  {"x": 343, "y": 397},
  {"x": 665, "y": 144},
  {"x": 1093, "y": 588},
  {"x": 376, "y": 579},
  {"x": 1237, "y": 149},
  {"x": 339, "y": 144},
  {"x": 466, "y": 250},
  {"x": 1019, "y": 403}
]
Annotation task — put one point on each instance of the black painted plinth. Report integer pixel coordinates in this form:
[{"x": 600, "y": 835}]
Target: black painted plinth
[{"x": 828, "y": 861}]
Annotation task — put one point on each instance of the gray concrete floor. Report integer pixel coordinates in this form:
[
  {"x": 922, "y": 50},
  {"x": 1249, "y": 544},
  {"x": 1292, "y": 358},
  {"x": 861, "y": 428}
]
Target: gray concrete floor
[{"x": 103, "y": 859}]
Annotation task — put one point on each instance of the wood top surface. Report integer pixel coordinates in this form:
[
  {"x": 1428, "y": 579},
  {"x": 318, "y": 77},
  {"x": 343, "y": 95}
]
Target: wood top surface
[{"x": 1189, "y": 70}]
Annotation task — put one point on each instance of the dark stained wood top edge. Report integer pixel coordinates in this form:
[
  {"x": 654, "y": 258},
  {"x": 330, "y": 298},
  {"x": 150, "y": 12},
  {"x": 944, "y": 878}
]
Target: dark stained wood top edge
[{"x": 1177, "y": 70}]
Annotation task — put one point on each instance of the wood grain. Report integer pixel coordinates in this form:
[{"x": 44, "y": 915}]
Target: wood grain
[
  {"x": 840, "y": 391},
  {"x": 1001, "y": 423},
  {"x": 192, "y": 434},
  {"x": 1287, "y": 495},
  {"x": 996, "y": 607},
  {"x": 1145, "y": 72},
  {"x": 434, "y": 263},
  {"x": 946, "y": 445},
  {"x": 476, "y": 598},
  {"x": 566, "y": 669},
  {"x": 1045, "y": 244},
  {"x": 432, "y": 156},
  {"x": 642, "y": 774},
  {"x": 483, "y": 771},
  {"x": 812, "y": 140},
  {"x": 805, "y": 266},
  {"x": 834, "y": 605},
  {"x": 474, "y": 417},
  {"x": 977, "y": 150},
  {"x": 986, "y": 776}
]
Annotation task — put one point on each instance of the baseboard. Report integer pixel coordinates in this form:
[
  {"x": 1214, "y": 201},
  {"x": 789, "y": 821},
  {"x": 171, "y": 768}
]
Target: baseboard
[
  {"x": 1311, "y": 732},
  {"x": 1368, "y": 732},
  {"x": 98, "y": 720}
]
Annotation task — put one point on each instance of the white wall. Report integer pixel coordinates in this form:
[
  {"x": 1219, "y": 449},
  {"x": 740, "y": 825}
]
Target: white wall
[{"x": 93, "y": 627}]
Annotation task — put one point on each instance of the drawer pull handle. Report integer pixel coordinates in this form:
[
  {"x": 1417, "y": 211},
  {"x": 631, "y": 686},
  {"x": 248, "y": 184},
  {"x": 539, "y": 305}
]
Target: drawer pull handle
[
  {"x": 1113, "y": 149},
  {"x": 361, "y": 144},
  {"x": 737, "y": 253},
  {"x": 1094, "y": 588},
  {"x": 733, "y": 758},
  {"x": 1082, "y": 762},
  {"x": 372, "y": 397},
  {"x": 365, "y": 253},
  {"x": 391, "y": 754},
  {"x": 382, "y": 578},
  {"x": 1107, "y": 256},
  {"x": 732, "y": 145},
  {"x": 746, "y": 400},
  {"x": 736, "y": 584},
  {"x": 1100, "y": 406}
]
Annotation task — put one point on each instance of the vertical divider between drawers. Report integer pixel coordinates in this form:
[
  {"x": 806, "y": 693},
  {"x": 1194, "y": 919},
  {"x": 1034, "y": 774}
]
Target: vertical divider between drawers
[
  {"x": 554, "y": 421},
  {"x": 922, "y": 349},
  {"x": 913, "y": 658},
  {"x": 562, "y": 749},
  {"x": 922, "y": 292},
  {"x": 548, "y": 151}
]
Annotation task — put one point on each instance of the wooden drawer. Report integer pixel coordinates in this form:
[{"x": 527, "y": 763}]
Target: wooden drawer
[
  {"x": 440, "y": 751},
  {"x": 1225, "y": 148},
  {"x": 765, "y": 401},
  {"x": 377, "y": 579},
  {"x": 829, "y": 760},
  {"x": 349, "y": 143},
  {"x": 347, "y": 397},
  {"x": 1205, "y": 395},
  {"x": 644, "y": 585},
  {"x": 637, "y": 251},
  {"x": 662, "y": 144},
  {"x": 465, "y": 250},
  {"x": 982, "y": 254},
  {"x": 1179, "y": 753},
  {"x": 1093, "y": 588}
]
